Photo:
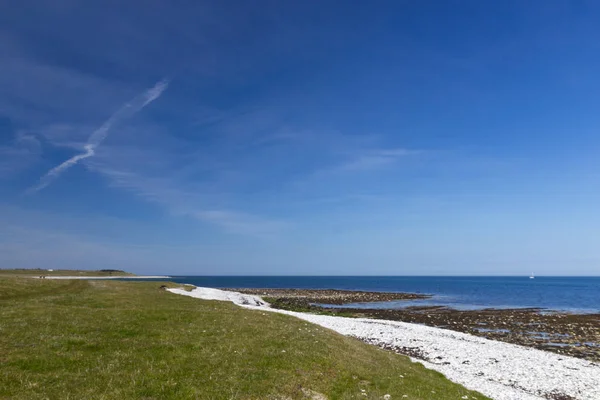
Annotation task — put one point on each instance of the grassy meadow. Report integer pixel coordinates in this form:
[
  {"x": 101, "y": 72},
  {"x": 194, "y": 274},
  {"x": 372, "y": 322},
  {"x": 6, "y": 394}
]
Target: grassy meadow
[{"x": 77, "y": 339}]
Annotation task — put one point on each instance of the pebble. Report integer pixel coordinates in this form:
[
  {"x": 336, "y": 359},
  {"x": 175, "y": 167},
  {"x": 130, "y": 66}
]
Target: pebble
[{"x": 519, "y": 372}]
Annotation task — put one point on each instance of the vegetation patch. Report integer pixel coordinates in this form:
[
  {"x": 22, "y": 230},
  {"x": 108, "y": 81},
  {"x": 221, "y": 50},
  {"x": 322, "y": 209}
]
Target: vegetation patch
[{"x": 132, "y": 340}]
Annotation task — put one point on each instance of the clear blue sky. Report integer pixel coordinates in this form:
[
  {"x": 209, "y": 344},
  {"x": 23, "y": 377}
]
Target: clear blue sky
[{"x": 301, "y": 137}]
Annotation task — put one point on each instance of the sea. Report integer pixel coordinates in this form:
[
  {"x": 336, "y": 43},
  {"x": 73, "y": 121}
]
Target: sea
[{"x": 567, "y": 294}]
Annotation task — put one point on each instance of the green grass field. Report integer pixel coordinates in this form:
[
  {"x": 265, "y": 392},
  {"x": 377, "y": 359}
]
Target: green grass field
[{"x": 130, "y": 340}]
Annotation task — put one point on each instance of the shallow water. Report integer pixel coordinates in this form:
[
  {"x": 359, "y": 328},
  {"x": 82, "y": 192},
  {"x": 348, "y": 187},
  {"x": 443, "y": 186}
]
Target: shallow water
[{"x": 574, "y": 294}]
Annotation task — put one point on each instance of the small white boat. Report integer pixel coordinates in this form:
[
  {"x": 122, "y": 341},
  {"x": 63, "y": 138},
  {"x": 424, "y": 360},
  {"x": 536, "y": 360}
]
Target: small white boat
[{"x": 531, "y": 276}]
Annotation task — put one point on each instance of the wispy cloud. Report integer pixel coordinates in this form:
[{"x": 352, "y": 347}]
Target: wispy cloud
[
  {"x": 373, "y": 159},
  {"x": 355, "y": 161},
  {"x": 20, "y": 154},
  {"x": 98, "y": 136},
  {"x": 241, "y": 190},
  {"x": 194, "y": 202},
  {"x": 241, "y": 223},
  {"x": 29, "y": 90}
]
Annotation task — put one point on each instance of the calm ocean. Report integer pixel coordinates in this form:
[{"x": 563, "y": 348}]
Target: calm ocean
[{"x": 575, "y": 294}]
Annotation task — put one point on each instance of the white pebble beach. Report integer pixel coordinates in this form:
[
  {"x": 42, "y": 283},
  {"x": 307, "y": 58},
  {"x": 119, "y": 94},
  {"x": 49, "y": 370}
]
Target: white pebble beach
[{"x": 501, "y": 371}]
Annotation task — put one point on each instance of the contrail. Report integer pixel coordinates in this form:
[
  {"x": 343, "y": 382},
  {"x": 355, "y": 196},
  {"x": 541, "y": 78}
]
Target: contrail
[{"x": 100, "y": 134}]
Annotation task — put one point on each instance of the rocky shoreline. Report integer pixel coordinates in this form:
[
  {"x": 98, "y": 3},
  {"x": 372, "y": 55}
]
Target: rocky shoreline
[
  {"x": 576, "y": 335},
  {"x": 502, "y": 371},
  {"x": 329, "y": 296}
]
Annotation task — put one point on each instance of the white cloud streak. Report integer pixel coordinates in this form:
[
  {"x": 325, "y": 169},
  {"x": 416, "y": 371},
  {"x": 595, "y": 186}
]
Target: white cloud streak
[
  {"x": 170, "y": 193},
  {"x": 245, "y": 224},
  {"x": 98, "y": 136}
]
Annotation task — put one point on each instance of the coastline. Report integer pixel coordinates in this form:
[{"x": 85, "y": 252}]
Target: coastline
[
  {"x": 102, "y": 277},
  {"x": 124, "y": 339},
  {"x": 564, "y": 333},
  {"x": 497, "y": 369}
]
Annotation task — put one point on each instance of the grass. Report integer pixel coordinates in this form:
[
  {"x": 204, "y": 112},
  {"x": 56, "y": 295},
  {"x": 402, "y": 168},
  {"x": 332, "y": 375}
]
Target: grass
[{"x": 130, "y": 340}]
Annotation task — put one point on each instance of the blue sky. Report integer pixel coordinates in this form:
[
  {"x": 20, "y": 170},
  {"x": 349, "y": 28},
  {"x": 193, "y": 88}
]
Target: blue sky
[{"x": 235, "y": 137}]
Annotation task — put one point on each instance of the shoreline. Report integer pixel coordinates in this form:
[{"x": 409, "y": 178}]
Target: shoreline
[
  {"x": 331, "y": 296},
  {"x": 500, "y": 370},
  {"x": 572, "y": 334},
  {"x": 101, "y": 277}
]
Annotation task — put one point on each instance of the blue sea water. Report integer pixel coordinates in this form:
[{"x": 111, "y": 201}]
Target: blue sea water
[{"x": 574, "y": 294}]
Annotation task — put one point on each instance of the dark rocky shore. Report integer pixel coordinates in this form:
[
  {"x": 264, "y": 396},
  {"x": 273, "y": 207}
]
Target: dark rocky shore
[
  {"x": 329, "y": 296},
  {"x": 576, "y": 335}
]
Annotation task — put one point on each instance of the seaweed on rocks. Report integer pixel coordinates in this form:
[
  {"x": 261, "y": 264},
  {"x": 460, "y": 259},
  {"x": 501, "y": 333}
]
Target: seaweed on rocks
[{"x": 576, "y": 335}]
